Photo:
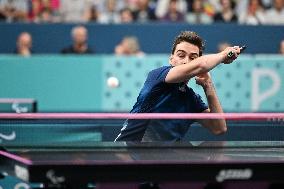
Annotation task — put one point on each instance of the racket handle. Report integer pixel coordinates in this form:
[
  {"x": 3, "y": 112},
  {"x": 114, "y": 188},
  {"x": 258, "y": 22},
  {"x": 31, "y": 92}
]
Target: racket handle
[{"x": 231, "y": 54}]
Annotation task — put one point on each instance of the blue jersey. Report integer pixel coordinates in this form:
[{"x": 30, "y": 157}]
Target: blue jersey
[{"x": 157, "y": 96}]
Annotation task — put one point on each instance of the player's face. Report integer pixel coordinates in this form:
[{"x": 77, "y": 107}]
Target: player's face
[{"x": 184, "y": 53}]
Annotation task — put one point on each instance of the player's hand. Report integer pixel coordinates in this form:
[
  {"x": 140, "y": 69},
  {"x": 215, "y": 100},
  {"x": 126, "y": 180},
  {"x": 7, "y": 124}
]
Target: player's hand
[
  {"x": 230, "y": 54},
  {"x": 203, "y": 79}
]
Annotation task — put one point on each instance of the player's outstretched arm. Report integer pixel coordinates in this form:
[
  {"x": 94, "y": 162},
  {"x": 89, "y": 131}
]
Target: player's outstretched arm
[{"x": 200, "y": 65}]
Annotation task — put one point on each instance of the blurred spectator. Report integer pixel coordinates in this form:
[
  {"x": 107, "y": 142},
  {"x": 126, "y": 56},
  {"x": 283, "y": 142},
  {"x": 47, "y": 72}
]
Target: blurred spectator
[
  {"x": 24, "y": 44},
  {"x": 223, "y": 45},
  {"x": 44, "y": 11},
  {"x": 46, "y": 16},
  {"x": 126, "y": 16},
  {"x": 227, "y": 13},
  {"x": 144, "y": 12},
  {"x": 131, "y": 4},
  {"x": 209, "y": 7},
  {"x": 92, "y": 14},
  {"x": 275, "y": 15},
  {"x": 74, "y": 11},
  {"x": 79, "y": 36},
  {"x": 198, "y": 15},
  {"x": 189, "y": 5},
  {"x": 110, "y": 14},
  {"x": 102, "y": 5},
  {"x": 281, "y": 47},
  {"x": 242, "y": 5},
  {"x": 216, "y": 5},
  {"x": 129, "y": 46},
  {"x": 254, "y": 15},
  {"x": 35, "y": 10},
  {"x": 162, "y": 7},
  {"x": 14, "y": 10},
  {"x": 173, "y": 14}
]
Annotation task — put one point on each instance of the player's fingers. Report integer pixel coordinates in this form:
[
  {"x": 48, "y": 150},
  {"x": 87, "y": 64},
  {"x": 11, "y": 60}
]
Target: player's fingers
[
  {"x": 237, "y": 49},
  {"x": 234, "y": 52}
]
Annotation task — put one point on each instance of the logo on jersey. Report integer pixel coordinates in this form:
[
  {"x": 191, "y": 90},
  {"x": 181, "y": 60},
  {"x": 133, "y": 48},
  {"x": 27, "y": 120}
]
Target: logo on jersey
[{"x": 182, "y": 87}]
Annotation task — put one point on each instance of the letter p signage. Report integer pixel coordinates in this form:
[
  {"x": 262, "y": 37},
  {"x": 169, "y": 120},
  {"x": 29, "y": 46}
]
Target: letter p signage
[{"x": 257, "y": 96}]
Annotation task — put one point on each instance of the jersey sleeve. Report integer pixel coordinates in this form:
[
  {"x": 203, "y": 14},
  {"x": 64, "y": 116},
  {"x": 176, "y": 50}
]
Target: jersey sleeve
[{"x": 159, "y": 74}]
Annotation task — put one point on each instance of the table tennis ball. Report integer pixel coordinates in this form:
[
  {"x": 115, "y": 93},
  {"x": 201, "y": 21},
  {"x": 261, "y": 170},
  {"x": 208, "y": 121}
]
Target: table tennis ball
[{"x": 112, "y": 82}]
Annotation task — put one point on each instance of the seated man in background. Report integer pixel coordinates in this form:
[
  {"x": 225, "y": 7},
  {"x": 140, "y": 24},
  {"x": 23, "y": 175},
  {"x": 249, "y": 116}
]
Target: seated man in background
[
  {"x": 165, "y": 91},
  {"x": 79, "y": 36},
  {"x": 128, "y": 46},
  {"x": 24, "y": 44},
  {"x": 222, "y": 46}
]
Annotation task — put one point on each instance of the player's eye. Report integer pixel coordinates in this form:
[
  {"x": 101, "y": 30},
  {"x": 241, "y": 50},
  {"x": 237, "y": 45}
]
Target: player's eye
[
  {"x": 193, "y": 57},
  {"x": 181, "y": 55}
]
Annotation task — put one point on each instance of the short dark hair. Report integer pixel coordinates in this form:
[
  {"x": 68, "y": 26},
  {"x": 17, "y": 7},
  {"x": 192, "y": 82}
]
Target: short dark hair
[{"x": 190, "y": 37}]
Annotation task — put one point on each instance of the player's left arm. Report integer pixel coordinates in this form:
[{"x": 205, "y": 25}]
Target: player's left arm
[{"x": 216, "y": 126}]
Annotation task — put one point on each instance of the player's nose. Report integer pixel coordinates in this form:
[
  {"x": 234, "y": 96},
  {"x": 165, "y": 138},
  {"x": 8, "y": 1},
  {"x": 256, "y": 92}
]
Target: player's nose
[{"x": 186, "y": 60}]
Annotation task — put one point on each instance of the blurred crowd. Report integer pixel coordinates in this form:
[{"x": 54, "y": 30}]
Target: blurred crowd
[
  {"x": 128, "y": 46},
  {"x": 250, "y": 12}
]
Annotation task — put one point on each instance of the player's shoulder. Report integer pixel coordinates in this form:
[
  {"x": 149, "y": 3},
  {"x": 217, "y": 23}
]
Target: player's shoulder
[
  {"x": 159, "y": 73},
  {"x": 160, "y": 70}
]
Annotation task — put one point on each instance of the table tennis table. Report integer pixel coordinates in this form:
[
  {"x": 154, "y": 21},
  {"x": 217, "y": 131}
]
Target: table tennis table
[{"x": 75, "y": 166}]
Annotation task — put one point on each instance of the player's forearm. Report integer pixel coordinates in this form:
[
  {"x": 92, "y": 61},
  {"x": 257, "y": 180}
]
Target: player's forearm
[
  {"x": 212, "y": 98},
  {"x": 202, "y": 65},
  {"x": 198, "y": 66},
  {"x": 208, "y": 62},
  {"x": 217, "y": 125}
]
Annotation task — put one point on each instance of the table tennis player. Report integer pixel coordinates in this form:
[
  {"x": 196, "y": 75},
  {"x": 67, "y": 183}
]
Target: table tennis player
[{"x": 166, "y": 90}]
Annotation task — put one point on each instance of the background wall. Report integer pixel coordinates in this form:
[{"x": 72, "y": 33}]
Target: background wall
[
  {"x": 154, "y": 38},
  {"x": 78, "y": 84}
]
